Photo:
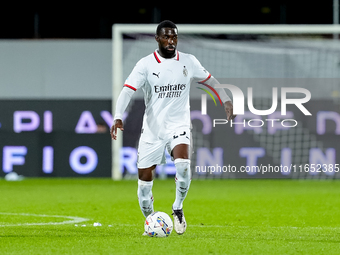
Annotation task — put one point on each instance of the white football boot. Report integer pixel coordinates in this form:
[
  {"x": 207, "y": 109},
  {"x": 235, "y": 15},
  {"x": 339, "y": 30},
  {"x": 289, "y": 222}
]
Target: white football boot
[{"x": 180, "y": 225}]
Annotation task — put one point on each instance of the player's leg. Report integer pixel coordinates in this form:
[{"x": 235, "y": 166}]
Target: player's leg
[
  {"x": 144, "y": 192},
  {"x": 183, "y": 177},
  {"x": 180, "y": 152},
  {"x": 149, "y": 155}
]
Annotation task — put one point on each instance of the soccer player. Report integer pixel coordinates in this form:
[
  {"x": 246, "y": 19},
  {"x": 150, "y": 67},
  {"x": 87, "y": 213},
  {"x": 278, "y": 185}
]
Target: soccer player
[{"x": 164, "y": 76}]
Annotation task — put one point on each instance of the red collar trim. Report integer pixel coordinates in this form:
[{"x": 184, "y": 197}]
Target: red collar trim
[
  {"x": 159, "y": 61},
  {"x": 156, "y": 57}
]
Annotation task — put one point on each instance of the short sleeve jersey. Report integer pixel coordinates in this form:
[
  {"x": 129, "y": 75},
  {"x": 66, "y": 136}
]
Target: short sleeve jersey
[{"x": 166, "y": 86}]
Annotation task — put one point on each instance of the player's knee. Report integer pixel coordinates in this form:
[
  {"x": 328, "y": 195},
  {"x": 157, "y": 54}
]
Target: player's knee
[
  {"x": 146, "y": 174},
  {"x": 182, "y": 169}
]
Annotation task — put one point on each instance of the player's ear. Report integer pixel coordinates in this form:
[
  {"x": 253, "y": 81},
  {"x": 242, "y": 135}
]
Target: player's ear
[{"x": 157, "y": 38}]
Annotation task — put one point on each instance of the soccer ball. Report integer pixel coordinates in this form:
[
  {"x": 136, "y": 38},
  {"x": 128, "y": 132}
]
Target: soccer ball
[{"x": 158, "y": 224}]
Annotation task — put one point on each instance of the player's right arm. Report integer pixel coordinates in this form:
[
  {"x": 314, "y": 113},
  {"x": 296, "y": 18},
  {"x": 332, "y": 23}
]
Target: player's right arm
[
  {"x": 135, "y": 81},
  {"x": 122, "y": 102}
]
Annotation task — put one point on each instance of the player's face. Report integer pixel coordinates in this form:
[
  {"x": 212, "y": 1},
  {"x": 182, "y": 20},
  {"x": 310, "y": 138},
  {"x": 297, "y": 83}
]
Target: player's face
[{"x": 167, "y": 42}]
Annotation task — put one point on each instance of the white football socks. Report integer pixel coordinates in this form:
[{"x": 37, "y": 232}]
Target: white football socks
[
  {"x": 183, "y": 179},
  {"x": 145, "y": 197}
]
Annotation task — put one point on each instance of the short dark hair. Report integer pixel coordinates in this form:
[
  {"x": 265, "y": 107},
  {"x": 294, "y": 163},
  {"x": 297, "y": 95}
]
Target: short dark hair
[{"x": 165, "y": 23}]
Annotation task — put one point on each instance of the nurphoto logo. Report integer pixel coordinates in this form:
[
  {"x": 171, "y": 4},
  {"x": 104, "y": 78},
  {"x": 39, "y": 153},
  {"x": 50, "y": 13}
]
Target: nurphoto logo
[{"x": 238, "y": 103}]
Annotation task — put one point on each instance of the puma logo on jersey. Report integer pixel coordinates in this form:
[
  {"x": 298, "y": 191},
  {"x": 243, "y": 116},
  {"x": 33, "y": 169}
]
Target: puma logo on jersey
[{"x": 155, "y": 74}]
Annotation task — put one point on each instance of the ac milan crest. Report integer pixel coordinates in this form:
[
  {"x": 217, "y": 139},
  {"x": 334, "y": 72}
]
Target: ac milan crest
[{"x": 185, "y": 71}]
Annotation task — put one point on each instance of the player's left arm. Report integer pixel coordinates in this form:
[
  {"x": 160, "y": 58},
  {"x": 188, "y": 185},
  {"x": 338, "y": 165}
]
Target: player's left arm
[
  {"x": 228, "y": 105},
  {"x": 201, "y": 73}
]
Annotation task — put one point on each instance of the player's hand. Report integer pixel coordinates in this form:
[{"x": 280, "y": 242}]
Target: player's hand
[
  {"x": 117, "y": 124},
  {"x": 229, "y": 110}
]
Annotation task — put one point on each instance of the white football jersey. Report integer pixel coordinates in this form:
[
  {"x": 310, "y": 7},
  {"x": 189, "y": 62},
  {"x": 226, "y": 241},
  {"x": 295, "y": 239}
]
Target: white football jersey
[{"x": 166, "y": 86}]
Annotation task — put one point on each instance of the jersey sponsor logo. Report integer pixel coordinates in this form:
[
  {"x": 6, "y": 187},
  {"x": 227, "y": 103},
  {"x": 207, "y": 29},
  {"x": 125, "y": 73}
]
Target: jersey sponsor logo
[
  {"x": 155, "y": 74},
  {"x": 169, "y": 91},
  {"x": 169, "y": 87}
]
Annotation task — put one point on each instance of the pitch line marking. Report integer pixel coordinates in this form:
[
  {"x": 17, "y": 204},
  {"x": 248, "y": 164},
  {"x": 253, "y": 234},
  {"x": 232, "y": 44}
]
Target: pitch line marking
[{"x": 72, "y": 219}]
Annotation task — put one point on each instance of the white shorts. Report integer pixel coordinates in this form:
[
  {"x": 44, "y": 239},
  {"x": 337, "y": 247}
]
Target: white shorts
[{"x": 153, "y": 153}]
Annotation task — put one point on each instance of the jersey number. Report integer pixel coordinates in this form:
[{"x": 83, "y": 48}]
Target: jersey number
[{"x": 176, "y": 136}]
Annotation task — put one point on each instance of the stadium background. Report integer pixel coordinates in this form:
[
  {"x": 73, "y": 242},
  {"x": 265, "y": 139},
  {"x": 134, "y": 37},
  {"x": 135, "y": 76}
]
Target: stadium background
[{"x": 55, "y": 91}]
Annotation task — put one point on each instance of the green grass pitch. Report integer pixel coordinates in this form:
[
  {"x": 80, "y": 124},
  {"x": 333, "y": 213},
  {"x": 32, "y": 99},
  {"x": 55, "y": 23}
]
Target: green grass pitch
[{"x": 223, "y": 216}]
